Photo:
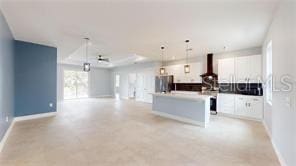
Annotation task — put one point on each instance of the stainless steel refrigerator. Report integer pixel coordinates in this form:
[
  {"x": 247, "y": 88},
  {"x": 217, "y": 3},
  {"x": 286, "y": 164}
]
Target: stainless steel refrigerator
[{"x": 164, "y": 84}]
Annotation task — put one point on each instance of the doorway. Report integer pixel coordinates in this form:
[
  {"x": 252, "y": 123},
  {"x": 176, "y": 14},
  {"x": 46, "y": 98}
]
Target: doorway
[
  {"x": 132, "y": 84},
  {"x": 117, "y": 86},
  {"x": 145, "y": 86},
  {"x": 75, "y": 84}
]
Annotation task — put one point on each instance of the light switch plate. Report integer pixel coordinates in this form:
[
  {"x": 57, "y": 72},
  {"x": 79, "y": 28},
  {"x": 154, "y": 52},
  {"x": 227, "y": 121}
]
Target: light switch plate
[{"x": 6, "y": 119}]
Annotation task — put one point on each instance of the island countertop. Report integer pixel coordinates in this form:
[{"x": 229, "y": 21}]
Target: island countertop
[{"x": 184, "y": 95}]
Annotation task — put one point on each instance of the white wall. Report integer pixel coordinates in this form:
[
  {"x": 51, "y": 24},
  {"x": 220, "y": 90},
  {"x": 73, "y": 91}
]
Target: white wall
[
  {"x": 280, "y": 118},
  {"x": 99, "y": 81}
]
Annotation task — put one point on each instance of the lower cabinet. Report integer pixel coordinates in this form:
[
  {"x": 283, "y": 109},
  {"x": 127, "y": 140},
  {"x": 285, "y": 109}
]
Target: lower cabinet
[
  {"x": 225, "y": 103},
  {"x": 254, "y": 107},
  {"x": 241, "y": 105}
]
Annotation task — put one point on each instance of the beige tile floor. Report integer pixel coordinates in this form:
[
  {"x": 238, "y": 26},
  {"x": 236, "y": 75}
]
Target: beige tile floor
[{"x": 99, "y": 132}]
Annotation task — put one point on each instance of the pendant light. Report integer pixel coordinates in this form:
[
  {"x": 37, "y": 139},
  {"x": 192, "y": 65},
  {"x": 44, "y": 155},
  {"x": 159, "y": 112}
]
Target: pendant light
[
  {"x": 162, "y": 69},
  {"x": 186, "y": 66},
  {"x": 86, "y": 64}
]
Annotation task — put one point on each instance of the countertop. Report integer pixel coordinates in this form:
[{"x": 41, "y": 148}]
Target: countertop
[{"x": 185, "y": 95}]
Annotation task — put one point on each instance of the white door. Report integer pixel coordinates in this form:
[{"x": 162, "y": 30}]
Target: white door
[
  {"x": 149, "y": 84},
  {"x": 117, "y": 86},
  {"x": 140, "y": 87},
  {"x": 132, "y": 80},
  {"x": 226, "y": 71},
  {"x": 145, "y": 86}
]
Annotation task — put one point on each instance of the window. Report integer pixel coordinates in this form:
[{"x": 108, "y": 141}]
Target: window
[
  {"x": 75, "y": 84},
  {"x": 269, "y": 78}
]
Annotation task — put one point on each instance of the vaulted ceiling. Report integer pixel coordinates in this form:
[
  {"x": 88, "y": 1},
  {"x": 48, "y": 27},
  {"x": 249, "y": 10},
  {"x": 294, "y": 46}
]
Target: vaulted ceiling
[{"x": 135, "y": 30}]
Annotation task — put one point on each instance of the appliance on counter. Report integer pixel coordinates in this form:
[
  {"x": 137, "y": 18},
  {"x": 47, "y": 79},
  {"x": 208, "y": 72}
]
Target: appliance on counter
[
  {"x": 164, "y": 84},
  {"x": 210, "y": 79}
]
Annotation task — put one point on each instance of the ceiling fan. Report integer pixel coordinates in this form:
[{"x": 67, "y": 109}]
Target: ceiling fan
[{"x": 101, "y": 59}]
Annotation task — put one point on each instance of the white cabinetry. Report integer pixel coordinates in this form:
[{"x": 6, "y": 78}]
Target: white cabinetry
[
  {"x": 248, "y": 69},
  {"x": 225, "y": 103},
  {"x": 249, "y": 106},
  {"x": 180, "y": 77},
  {"x": 240, "y": 69},
  {"x": 256, "y": 108},
  {"x": 256, "y": 69},
  {"x": 226, "y": 70},
  {"x": 241, "y": 105}
]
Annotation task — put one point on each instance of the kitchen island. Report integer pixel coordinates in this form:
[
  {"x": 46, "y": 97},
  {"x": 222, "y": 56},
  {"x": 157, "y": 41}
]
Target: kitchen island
[{"x": 193, "y": 108}]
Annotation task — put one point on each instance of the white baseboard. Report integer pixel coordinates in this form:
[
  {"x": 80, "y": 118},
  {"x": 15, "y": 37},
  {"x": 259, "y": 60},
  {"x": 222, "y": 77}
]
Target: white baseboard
[
  {"x": 22, "y": 118},
  {"x": 4, "y": 139},
  {"x": 279, "y": 155},
  {"x": 238, "y": 117},
  {"x": 277, "y": 152},
  {"x": 181, "y": 119},
  {"x": 35, "y": 116},
  {"x": 267, "y": 129}
]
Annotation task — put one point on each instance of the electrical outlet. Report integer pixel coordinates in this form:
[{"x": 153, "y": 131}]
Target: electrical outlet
[
  {"x": 51, "y": 105},
  {"x": 6, "y": 119}
]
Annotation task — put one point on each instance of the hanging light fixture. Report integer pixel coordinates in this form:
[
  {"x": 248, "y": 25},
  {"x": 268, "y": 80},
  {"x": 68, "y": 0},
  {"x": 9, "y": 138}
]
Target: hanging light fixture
[
  {"x": 186, "y": 66},
  {"x": 162, "y": 69},
  {"x": 86, "y": 64}
]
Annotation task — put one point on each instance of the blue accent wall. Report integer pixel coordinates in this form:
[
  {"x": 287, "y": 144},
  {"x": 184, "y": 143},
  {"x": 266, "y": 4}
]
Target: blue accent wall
[
  {"x": 6, "y": 76},
  {"x": 35, "y": 78}
]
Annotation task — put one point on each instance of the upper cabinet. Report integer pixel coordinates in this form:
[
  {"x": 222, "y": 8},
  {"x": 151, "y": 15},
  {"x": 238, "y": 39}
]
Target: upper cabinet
[
  {"x": 180, "y": 77},
  {"x": 226, "y": 70},
  {"x": 248, "y": 69},
  {"x": 240, "y": 69},
  {"x": 256, "y": 69}
]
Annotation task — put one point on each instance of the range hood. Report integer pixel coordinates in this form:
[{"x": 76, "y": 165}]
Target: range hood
[{"x": 209, "y": 73}]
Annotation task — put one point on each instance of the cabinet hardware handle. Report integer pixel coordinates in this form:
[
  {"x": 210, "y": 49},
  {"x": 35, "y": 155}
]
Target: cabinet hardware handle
[{"x": 255, "y": 99}]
